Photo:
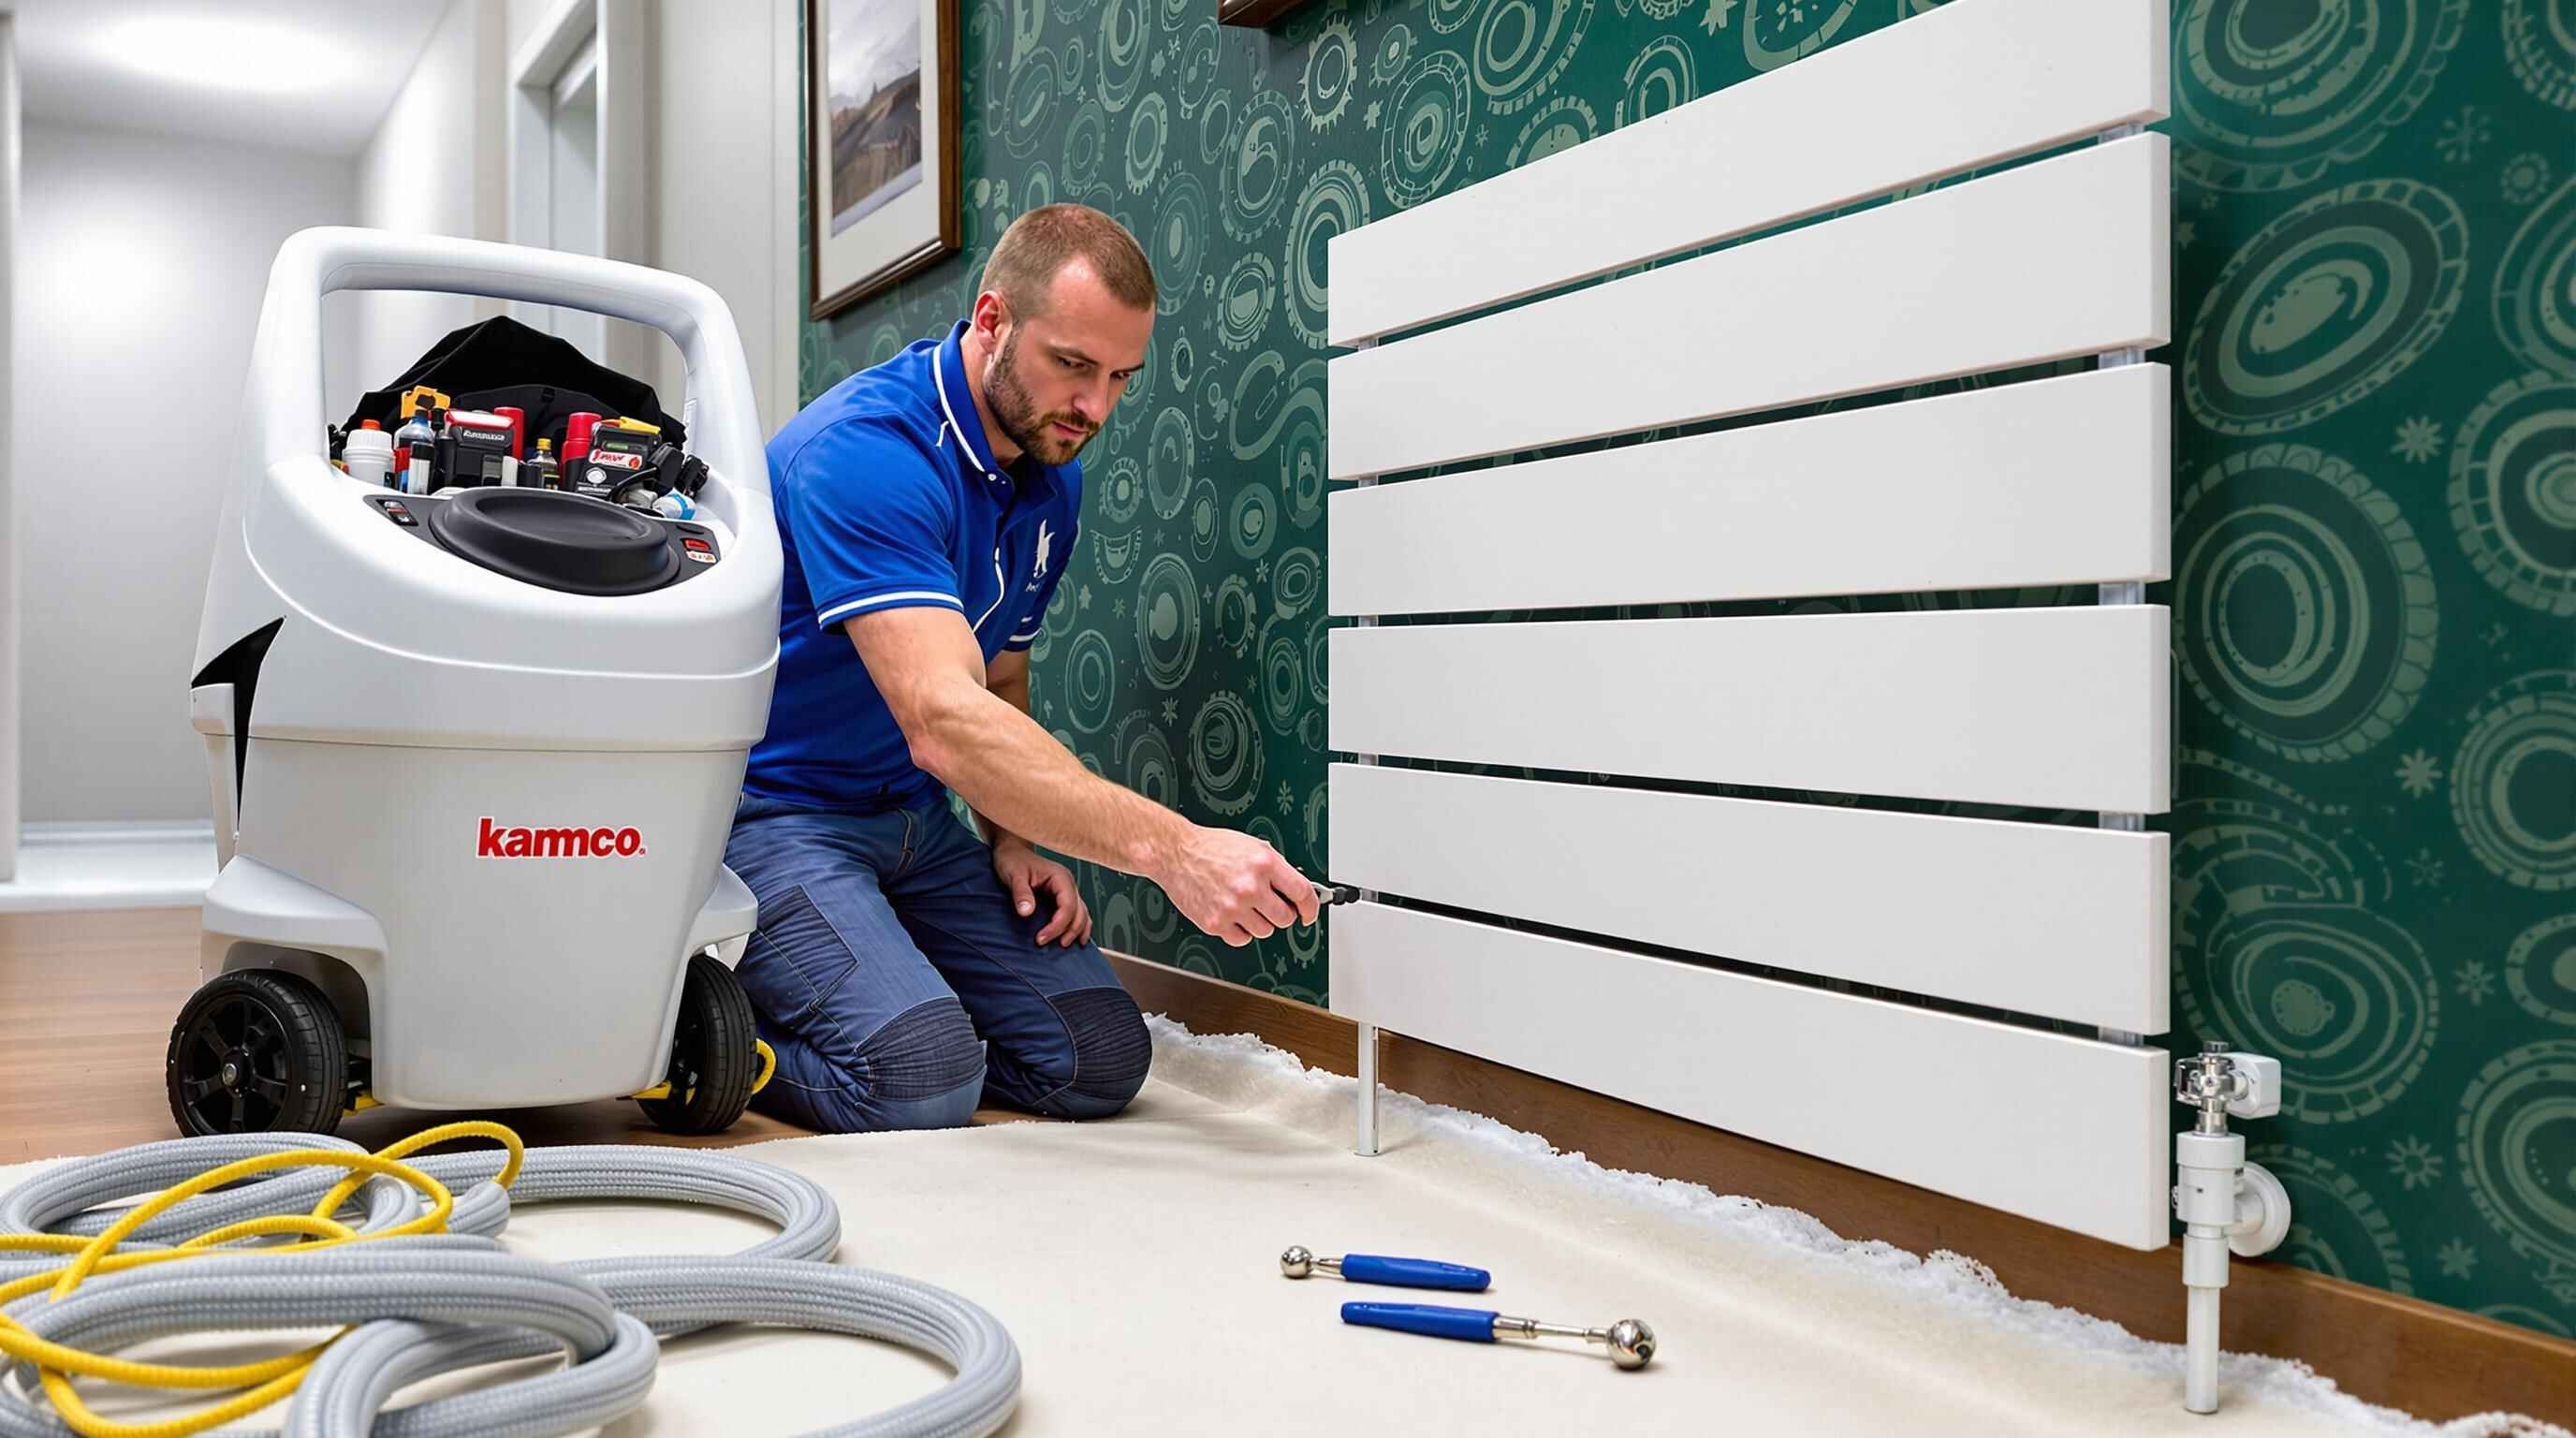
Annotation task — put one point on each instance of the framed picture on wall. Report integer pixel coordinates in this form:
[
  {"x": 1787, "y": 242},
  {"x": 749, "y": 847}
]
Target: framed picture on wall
[
  {"x": 1253, "y": 14},
  {"x": 881, "y": 132}
]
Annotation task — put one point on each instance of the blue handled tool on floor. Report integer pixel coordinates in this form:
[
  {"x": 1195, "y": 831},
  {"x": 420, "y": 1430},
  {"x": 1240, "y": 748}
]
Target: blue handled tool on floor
[
  {"x": 1397, "y": 1272},
  {"x": 1630, "y": 1342}
]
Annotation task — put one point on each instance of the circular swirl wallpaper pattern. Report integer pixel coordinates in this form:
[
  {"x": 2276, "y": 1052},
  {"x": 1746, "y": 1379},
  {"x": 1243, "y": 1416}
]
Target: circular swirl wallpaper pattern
[{"x": 2373, "y": 840}]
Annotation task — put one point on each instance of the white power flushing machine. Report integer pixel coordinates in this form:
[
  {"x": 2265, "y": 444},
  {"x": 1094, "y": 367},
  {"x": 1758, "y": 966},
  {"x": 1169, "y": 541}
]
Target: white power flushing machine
[{"x": 475, "y": 755}]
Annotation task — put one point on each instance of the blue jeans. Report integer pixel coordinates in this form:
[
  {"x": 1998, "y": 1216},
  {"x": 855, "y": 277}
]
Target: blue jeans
[{"x": 901, "y": 988}]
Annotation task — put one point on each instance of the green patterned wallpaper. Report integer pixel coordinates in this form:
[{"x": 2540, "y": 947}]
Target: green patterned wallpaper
[{"x": 2374, "y": 506}]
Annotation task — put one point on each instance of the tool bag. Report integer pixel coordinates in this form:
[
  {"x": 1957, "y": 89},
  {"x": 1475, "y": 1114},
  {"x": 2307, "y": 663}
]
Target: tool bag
[{"x": 498, "y": 363}]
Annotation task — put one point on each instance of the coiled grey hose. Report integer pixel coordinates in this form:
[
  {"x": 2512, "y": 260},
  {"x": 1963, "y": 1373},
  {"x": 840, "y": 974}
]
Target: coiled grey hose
[
  {"x": 353, "y": 1380},
  {"x": 71, "y": 1198},
  {"x": 449, "y": 1280},
  {"x": 431, "y": 1304}
]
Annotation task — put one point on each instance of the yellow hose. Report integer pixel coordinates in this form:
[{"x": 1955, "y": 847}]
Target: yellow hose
[{"x": 266, "y": 1381}]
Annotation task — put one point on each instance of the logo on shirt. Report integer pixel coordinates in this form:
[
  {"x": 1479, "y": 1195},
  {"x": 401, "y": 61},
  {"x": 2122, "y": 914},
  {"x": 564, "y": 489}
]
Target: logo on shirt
[
  {"x": 1046, "y": 543},
  {"x": 496, "y": 842}
]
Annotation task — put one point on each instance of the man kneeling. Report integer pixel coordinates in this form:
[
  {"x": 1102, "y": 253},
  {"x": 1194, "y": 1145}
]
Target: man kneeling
[{"x": 904, "y": 969}]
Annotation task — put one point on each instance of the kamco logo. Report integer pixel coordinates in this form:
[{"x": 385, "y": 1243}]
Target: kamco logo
[{"x": 496, "y": 842}]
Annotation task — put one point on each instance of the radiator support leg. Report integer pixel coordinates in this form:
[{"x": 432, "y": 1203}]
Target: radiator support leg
[{"x": 1366, "y": 1144}]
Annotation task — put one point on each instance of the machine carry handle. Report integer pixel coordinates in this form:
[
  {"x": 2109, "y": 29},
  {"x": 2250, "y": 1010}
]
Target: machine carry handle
[{"x": 719, "y": 410}]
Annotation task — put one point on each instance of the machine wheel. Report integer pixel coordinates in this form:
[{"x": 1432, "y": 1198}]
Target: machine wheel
[
  {"x": 257, "y": 1051},
  {"x": 713, "y": 1054}
]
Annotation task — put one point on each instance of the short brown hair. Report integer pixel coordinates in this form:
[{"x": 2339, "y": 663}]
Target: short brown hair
[{"x": 1042, "y": 242}]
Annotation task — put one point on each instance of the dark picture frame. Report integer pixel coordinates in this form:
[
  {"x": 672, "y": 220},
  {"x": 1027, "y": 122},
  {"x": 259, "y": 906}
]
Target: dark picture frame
[
  {"x": 1254, "y": 14},
  {"x": 881, "y": 150}
]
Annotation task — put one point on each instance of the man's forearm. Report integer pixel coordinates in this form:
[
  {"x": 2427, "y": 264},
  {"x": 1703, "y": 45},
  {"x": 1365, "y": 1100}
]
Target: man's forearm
[
  {"x": 1015, "y": 775},
  {"x": 1014, "y": 691},
  {"x": 941, "y": 689}
]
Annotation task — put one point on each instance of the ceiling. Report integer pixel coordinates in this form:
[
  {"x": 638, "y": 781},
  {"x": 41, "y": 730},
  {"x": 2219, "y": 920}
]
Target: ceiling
[{"x": 311, "y": 75}]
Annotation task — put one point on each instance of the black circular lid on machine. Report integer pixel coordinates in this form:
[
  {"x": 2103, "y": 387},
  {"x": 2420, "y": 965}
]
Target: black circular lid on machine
[{"x": 567, "y": 542}]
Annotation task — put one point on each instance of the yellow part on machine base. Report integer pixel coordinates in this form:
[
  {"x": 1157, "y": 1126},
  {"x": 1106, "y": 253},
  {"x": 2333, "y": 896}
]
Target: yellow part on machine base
[
  {"x": 759, "y": 1081},
  {"x": 768, "y": 1067},
  {"x": 266, "y": 1381}
]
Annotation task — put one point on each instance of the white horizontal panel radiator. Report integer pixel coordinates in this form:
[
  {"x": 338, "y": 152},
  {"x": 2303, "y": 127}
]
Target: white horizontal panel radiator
[{"x": 1808, "y": 874}]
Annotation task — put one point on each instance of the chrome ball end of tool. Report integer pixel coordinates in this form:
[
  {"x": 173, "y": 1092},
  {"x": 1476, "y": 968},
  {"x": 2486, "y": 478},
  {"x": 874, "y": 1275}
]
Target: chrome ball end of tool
[
  {"x": 1296, "y": 1262},
  {"x": 1631, "y": 1343}
]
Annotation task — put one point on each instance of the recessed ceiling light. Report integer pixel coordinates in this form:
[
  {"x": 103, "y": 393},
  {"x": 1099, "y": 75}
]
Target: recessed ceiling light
[{"x": 229, "y": 54}]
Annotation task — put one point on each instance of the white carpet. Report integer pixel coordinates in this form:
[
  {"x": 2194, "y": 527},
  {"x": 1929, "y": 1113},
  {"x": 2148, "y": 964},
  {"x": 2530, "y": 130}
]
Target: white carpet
[{"x": 1135, "y": 1262}]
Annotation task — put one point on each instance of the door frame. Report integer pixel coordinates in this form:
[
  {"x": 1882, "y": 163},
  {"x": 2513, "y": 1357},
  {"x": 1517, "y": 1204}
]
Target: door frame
[
  {"x": 613, "y": 36},
  {"x": 11, "y": 689}
]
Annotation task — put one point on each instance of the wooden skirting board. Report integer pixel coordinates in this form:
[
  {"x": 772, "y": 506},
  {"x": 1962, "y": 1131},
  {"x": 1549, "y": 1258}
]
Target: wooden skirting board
[{"x": 2435, "y": 1362}]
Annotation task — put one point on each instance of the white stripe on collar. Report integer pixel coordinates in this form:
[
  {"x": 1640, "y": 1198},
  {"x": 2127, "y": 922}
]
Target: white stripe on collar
[{"x": 939, "y": 377}]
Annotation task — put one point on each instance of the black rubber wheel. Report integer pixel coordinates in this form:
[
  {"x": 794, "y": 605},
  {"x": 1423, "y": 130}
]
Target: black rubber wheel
[
  {"x": 257, "y": 1051},
  {"x": 713, "y": 1054}
]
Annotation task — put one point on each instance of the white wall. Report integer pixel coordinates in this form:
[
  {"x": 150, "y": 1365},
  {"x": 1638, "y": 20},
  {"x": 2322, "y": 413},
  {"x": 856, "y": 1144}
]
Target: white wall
[
  {"x": 141, "y": 265},
  {"x": 435, "y": 165},
  {"x": 720, "y": 96},
  {"x": 723, "y": 95},
  {"x": 8, "y": 468},
  {"x": 141, "y": 262}
]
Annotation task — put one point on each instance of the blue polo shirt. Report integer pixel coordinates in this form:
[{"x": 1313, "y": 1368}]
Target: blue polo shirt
[{"x": 888, "y": 496}]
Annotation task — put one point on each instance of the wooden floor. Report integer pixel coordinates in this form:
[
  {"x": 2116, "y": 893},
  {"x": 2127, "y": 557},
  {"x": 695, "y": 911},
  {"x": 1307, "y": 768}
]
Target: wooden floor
[{"x": 86, "y": 1003}]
